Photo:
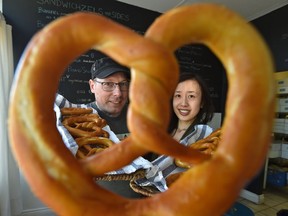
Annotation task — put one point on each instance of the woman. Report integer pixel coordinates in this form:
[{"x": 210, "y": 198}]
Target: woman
[
  {"x": 192, "y": 106},
  {"x": 192, "y": 110}
]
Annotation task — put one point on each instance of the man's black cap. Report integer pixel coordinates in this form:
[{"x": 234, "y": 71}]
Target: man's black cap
[{"x": 105, "y": 67}]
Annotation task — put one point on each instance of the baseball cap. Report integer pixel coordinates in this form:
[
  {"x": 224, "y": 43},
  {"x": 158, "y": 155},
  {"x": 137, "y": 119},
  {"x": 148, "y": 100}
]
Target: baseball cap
[{"x": 105, "y": 67}]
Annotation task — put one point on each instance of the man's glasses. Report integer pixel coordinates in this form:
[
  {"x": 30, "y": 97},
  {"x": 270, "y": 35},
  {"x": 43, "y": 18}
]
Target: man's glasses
[{"x": 110, "y": 86}]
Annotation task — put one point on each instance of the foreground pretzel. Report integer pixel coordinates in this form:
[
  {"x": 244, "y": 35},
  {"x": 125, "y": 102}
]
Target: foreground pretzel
[{"x": 52, "y": 171}]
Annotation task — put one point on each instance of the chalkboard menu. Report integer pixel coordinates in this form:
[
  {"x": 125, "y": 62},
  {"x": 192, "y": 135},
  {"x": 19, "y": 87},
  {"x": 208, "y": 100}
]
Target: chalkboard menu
[
  {"x": 199, "y": 59},
  {"x": 29, "y": 16}
]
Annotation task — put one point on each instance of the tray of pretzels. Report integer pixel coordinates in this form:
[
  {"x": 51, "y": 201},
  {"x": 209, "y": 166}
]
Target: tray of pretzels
[{"x": 86, "y": 128}]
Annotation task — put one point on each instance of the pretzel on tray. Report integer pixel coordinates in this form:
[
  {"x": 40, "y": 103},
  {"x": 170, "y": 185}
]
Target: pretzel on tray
[
  {"x": 66, "y": 111},
  {"x": 207, "y": 145},
  {"x": 87, "y": 130}
]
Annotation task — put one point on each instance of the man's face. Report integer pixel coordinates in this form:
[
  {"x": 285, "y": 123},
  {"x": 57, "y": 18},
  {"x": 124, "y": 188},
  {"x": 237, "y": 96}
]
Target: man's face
[{"x": 111, "y": 101}]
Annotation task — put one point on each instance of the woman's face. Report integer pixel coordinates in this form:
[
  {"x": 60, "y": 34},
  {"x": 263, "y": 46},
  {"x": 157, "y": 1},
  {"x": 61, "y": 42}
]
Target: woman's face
[{"x": 187, "y": 100}]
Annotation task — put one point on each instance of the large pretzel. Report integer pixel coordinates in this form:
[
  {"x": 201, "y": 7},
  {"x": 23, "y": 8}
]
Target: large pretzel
[{"x": 66, "y": 185}]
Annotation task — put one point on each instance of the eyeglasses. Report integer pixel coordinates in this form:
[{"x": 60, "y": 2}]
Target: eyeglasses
[{"x": 110, "y": 86}]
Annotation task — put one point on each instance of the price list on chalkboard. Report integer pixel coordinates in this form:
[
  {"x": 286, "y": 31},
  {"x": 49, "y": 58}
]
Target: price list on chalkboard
[
  {"x": 29, "y": 16},
  {"x": 33, "y": 15},
  {"x": 74, "y": 83}
]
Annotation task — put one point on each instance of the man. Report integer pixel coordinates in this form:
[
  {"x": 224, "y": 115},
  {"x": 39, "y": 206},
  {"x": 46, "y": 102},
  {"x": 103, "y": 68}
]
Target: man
[{"x": 110, "y": 85}]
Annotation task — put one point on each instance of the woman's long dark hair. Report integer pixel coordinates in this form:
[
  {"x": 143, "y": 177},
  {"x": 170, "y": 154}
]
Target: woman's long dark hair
[{"x": 206, "y": 112}]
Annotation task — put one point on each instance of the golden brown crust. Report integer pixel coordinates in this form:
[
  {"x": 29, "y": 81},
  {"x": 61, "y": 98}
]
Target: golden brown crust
[
  {"x": 89, "y": 146},
  {"x": 207, "y": 145},
  {"x": 80, "y": 132},
  {"x": 76, "y": 119},
  {"x": 249, "y": 69},
  {"x": 105, "y": 142},
  {"x": 75, "y": 111},
  {"x": 87, "y": 130},
  {"x": 172, "y": 178}
]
